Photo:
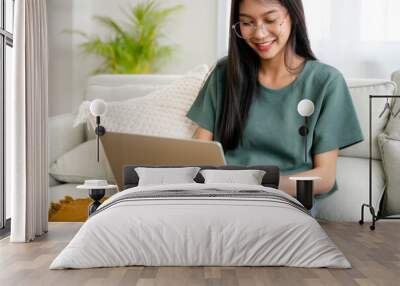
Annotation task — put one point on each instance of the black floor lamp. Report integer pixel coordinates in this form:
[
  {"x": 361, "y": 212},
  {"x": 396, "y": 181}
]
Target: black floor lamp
[{"x": 98, "y": 108}]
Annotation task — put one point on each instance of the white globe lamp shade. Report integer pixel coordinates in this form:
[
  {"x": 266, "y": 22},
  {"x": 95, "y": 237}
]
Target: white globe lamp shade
[
  {"x": 98, "y": 107},
  {"x": 305, "y": 108}
]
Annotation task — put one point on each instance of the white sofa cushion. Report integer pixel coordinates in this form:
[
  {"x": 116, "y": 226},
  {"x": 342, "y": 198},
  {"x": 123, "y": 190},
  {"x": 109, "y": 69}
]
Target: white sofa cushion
[
  {"x": 360, "y": 91},
  {"x": 63, "y": 136},
  {"x": 353, "y": 186},
  {"x": 81, "y": 164}
]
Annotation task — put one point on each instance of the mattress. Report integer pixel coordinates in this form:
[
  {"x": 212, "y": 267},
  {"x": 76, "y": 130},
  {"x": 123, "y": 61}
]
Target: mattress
[{"x": 201, "y": 225}]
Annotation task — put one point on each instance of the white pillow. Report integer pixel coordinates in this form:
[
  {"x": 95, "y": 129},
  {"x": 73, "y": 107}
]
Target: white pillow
[
  {"x": 162, "y": 176},
  {"x": 160, "y": 113},
  {"x": 248, "y": 177},
  {"x": 390, "y": 150},
  {"x": 81, "y": 164}
]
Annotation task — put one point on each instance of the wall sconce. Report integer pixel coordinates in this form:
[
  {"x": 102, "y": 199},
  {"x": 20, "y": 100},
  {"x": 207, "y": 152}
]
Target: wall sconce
[{"x": 98, "y": 108}]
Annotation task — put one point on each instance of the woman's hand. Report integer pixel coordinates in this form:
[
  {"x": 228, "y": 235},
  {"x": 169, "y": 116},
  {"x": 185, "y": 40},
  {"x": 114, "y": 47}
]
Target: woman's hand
[
  {"x": 324, "y": 167},
  {"x": 203, "y": 134}
]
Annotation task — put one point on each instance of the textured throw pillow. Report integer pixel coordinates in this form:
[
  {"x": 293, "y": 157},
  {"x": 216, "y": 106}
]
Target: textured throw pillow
[
  {"x": 248, "y": 177},
  {"x": 160, "y": 113},
  {"x": 117, "y": 93},
  {"x": 390, "y": 150},
  {"x": 162, "y": 176},
  {"x": 81, "y": 164}
]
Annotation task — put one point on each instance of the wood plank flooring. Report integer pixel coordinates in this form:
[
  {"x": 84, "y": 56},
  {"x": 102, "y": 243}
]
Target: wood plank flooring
[{"x": 374, "y": 255}]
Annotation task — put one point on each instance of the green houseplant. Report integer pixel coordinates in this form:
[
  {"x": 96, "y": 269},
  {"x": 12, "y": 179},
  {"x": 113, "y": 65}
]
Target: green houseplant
[{"x": 133, "y": 46}]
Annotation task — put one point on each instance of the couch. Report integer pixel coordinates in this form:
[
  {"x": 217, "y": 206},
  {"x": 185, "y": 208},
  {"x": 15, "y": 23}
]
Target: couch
[{"x": 353, "y": 162}]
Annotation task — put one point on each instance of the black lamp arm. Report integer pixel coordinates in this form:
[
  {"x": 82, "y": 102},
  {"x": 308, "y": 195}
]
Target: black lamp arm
[
  {"x": 99, "y": 131},
  {"x": 303, "y": 131}
]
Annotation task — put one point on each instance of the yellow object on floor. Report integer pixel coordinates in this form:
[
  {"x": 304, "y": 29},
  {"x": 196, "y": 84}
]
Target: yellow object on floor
[{"x": 70, "y": 210}]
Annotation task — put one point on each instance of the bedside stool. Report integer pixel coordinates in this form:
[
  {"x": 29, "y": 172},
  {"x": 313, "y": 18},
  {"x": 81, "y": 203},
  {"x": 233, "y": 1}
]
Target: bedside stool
[{"x": 97, "y": 190}]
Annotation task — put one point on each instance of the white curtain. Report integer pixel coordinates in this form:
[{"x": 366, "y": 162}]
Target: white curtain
[
  {"x": 359, "y": 37},
  {"x": 27, "y": 123}
]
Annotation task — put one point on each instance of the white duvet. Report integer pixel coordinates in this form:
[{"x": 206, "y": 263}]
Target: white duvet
[{"x": 183, "y": 231}]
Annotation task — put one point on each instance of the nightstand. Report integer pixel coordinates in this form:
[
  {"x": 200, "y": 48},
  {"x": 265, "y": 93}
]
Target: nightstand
[
  {"x": 97, "y": 190},
  {"x": 304, "y": 190}
]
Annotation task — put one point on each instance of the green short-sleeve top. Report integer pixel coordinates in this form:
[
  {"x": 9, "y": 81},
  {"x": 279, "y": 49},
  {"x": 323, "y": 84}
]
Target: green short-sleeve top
[{"x": 271, "y": 135}]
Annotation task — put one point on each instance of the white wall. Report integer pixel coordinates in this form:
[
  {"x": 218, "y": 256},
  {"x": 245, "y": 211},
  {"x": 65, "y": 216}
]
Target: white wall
[
  {"x": 60, "y": 55},
  {"x": 193, "y": 29},
  {"x": 356, "y": 36}
]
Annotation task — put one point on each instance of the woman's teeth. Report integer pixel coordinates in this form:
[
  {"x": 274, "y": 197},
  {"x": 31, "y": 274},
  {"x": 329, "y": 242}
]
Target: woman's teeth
[{"x": 265, "y": 46}]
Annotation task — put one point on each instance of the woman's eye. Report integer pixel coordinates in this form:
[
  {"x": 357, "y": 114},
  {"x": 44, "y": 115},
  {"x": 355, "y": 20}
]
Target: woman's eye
[
  {"x": 270, "y": 21},
  {"x": 247, "y": 24}
]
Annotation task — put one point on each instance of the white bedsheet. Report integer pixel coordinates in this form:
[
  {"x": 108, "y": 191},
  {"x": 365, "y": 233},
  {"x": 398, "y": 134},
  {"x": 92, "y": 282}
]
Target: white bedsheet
[{"x": 200, "y": 231}]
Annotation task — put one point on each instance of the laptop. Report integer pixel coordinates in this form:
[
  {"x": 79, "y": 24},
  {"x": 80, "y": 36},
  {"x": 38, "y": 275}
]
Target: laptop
[{"x": 147, "y": 150}]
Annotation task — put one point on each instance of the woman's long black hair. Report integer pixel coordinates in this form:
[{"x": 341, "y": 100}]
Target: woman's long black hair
[{"x": 243, "y": 65}]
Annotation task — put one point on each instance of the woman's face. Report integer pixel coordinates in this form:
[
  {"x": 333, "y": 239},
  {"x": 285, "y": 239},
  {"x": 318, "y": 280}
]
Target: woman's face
[{"x": 273, "y": 26}]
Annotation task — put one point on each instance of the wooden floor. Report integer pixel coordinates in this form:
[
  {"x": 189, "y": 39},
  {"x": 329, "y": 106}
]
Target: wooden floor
[{"x": 374, "y": 255}]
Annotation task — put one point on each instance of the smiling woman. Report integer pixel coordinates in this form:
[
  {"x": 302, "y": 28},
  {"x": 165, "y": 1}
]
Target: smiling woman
[{"x": 249, "y": 102}]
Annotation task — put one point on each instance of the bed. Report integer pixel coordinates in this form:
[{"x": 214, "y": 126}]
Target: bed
[{"x": 201, "y": 224}]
